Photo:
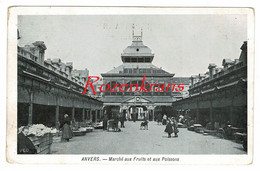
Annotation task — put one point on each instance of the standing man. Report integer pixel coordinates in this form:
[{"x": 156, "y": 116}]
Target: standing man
[
  {"x": 134, "y": 116},
  {"x": 122, "y": 119},
  {"x": 159, "y": 121},
  {"x": 116, "y": 119},
  {"x": 175, "y": 127}
]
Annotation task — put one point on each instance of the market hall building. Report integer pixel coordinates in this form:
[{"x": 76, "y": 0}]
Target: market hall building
[
  {"x": 137, "y": 61},
  {"x": 220, "y": 95},
  {"x": 48, "y": 89}
]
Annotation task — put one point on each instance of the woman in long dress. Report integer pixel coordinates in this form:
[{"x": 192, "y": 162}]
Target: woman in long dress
[
  {"x": 66, "y": 130},
  {"x": 159, "y": 119},
  {"x": 116, "y": 119},
  {"x": 164, "y": 121},
  {"x": 169, "y": 128},
  {"x": 175, "y": 127},
  {"x": 122, "y": 120}
]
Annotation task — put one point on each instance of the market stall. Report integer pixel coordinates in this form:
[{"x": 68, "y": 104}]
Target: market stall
[{"x": 40, "y": 136}]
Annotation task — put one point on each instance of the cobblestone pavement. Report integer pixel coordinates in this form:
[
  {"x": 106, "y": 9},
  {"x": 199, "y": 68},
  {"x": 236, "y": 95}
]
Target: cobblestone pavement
[{"x": 132, "y": 140}]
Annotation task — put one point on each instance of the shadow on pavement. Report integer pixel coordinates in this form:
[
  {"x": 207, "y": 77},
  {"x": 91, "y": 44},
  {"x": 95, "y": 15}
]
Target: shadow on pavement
[{"x": 166, "y": 136}]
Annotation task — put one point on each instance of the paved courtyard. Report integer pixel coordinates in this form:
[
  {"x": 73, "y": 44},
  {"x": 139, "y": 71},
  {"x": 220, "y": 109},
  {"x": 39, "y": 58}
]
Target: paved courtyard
[{"x": 132, "y": 140}]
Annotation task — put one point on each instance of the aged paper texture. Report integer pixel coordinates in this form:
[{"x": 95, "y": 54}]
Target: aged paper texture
[{"x": 136, "y": 85}]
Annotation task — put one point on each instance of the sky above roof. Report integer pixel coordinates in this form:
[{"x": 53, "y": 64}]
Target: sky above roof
[{"x": 182, "y": 44}]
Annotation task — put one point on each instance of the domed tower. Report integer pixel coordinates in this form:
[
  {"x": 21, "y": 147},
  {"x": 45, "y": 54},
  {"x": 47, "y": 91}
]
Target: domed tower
[
  {"x": 137, "y": 61},
  {"x": 136, "y": 71},
  {"x": 137, "y": 52}
]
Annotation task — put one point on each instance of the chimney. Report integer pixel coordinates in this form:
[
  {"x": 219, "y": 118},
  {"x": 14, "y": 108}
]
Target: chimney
[
  {"x": 56, "y": 61},
  {"x": 243, "y": 55},
  {"x": 207, "y": 74},
  {"x": 192, "y": 79},
  {"x": 201, "y": 77},
  {"x": 40, "y": 51},
  {"x": 69, "y": 67},
  {"x": 227, "y": 63},
  {"x": 236, "y": 61},
  {"x": 211, "y": 70},
  {"x": 27, "y": 47}
]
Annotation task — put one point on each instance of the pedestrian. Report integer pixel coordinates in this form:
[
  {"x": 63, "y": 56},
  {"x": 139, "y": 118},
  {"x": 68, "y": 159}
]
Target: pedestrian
[
  {"x": 116, "y": 119},
  {"x": 164, "y": 120},
  {"x": 122, "y": 120},
  {"x": 159, "y": 119},
  {"x": 169, "y": 128},
  {"x": 66, "y": 130},
  {"x": 105, "y": 119},
  {"x": 175, "y": 127},
  {"x": 134, "y": 116}
]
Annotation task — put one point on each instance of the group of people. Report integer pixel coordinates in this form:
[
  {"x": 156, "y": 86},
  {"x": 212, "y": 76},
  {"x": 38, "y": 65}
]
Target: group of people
[
  {"x": 161, "y": 119},
  {"x": 171, "y": 124},
  {"x": 116, "y": 119},
  {"x": 119, "y": 117},
  {"x": 172, "y": 127}
]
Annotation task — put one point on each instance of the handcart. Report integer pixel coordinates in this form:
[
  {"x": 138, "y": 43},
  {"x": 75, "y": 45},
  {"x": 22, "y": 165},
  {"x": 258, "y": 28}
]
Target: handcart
[{"x": 110, "y": 124}]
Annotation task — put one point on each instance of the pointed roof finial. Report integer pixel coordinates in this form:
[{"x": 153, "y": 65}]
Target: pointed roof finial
[
  {"x": 141, "y": 32},
  {"x": 18, "y": 34}
]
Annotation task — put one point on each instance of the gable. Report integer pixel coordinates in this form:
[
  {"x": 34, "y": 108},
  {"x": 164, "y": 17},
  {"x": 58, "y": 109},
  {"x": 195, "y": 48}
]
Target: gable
[{"x": 137, "y": 99}]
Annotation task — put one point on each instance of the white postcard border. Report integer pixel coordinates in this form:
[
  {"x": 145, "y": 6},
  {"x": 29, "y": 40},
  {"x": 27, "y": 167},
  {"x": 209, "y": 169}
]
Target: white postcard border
[{"x": 11, "y": 145}]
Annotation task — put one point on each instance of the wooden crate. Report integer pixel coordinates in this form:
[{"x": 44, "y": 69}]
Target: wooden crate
[
  {"x": 79, "y": 133},
  {"x": 89, "y": 130},
  {"x": 42, "y": 143}
]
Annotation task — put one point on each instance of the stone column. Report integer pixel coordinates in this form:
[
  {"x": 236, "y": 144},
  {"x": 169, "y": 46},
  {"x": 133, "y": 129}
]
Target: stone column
[
  {"x": 83, "y": 114},
  {"x": 153, "y": 114},
  {"x": 91, "y": 115},
  {"x": 73, "y": 114},
  {"x": 57, "y": 114},
  {"x": 86, "y": 116},
  {"x": 231, "y": 110},
  {"x": 96, "y": 114},
  {"x": 197, "y": 112},
  {"x": 211, "y": 112},
  {"x": 30, "y": 109},
  {"x": 88, "y": 113}
]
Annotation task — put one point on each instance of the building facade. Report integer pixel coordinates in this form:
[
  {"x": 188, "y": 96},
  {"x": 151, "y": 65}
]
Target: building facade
[
  {"x": 131, "y": 100},
  {"x": 47, "y": 89},
  {"x": 220, "y": 95}
]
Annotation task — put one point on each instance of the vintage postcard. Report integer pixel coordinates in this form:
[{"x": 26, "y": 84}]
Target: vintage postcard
[{"x": 135, "y": 85}]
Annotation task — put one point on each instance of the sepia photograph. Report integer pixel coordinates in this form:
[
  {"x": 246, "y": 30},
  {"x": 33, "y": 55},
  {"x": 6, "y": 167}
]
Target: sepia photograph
[{"x": 131, "y": 84}]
